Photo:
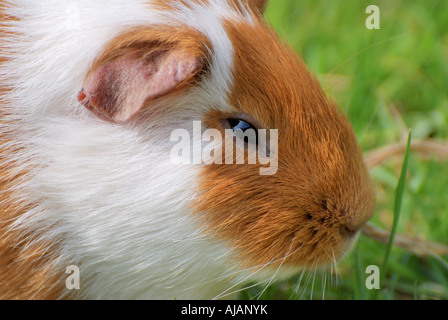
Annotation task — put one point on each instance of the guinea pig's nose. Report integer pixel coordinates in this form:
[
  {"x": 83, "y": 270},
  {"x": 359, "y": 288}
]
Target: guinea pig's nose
[{"x": 349, "y": 230}]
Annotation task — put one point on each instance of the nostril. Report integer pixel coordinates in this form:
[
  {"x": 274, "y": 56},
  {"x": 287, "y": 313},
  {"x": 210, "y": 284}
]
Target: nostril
[
  {"x": 325, "y": 205},
  {"x": 348, "y": 231}
]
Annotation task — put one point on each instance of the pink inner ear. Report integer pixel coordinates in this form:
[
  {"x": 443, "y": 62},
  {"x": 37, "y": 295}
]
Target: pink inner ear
[{"x": 121, "y": 88}]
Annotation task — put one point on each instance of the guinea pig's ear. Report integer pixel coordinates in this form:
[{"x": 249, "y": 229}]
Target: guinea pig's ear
[{"x": 139, "y": 68}]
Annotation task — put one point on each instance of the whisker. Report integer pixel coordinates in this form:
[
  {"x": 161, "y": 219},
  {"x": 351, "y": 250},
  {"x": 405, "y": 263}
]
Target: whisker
[
  {"x": 312, "y": 283},
  {"x": 307, "y": 281},
  {"x": 259, "y": 268},
  {"x": 332, "y": 273},
  {"x": 296, "y": 289},
  {"x": 226, "y": 292},
  {"x": 275, "y": 273},
  {"x": 242, "y": 289},
  {"x": 235, "y": 273},
  {"x": 324, "y": 284},
  {"x": 287, "y": 255},
  {"x": 336, "y": 269}
]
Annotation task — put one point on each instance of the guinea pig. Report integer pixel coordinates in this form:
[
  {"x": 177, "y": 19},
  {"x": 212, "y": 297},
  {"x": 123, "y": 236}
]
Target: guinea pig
[{"x": 92, "y": 94}]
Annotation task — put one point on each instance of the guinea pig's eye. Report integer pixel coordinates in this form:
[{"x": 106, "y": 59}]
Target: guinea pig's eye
[
  {"x": 241, "y": 129},
  {"x": 236, "y": 124}
]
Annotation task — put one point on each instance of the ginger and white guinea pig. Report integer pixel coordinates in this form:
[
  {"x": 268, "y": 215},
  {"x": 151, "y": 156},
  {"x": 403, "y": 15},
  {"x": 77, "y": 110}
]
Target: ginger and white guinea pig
[{"x": 91, "y": 93}]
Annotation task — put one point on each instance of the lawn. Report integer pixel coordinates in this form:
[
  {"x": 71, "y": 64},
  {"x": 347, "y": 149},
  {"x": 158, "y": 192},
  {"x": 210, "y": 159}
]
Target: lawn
[{"x": 387, "y": 80}]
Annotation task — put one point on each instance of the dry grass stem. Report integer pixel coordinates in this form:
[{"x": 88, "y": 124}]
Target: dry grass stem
[
  {"x": 411, "y": 244},
  {"x": 424, "y": 148}
]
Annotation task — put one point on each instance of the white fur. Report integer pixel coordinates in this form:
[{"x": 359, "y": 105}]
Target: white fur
[{"x": 107, "y": 193}]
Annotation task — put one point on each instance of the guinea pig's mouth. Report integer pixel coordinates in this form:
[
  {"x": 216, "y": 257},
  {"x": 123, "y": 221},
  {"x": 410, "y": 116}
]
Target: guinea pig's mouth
[
  {"x": 324, "y": 257},
  {"x": 294, "y": 263},
  {"x": 288, "y": 270}
]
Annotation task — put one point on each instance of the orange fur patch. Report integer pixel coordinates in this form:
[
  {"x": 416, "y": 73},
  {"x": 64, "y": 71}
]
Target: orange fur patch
[{"x": 321, "y": 186}]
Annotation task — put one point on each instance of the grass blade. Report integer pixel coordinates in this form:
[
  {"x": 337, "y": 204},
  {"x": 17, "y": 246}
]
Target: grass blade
[
  {"x": 359, "y": 288},
  {"x": 397, "y": 207}
]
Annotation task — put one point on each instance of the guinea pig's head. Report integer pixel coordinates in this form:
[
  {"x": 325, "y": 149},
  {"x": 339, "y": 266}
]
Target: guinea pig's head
[
  {"x": 310, "y": 211},
  {"x": 311, "y": 207}
]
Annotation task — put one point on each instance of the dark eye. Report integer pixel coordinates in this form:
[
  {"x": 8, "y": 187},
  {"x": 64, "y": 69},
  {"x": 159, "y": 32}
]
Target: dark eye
[
  {"x": 236, "y": 124},
  {"x": 244, "y": 130}
]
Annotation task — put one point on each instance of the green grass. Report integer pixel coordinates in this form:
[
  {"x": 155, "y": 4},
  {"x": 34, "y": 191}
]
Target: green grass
[
  {"x": 397, "y": 206},
  {"x": 387, "y": 81}
]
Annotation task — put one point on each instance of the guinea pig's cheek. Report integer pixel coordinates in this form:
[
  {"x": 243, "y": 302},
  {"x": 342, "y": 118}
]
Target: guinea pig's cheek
[{"x": 235, "y": 206}]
